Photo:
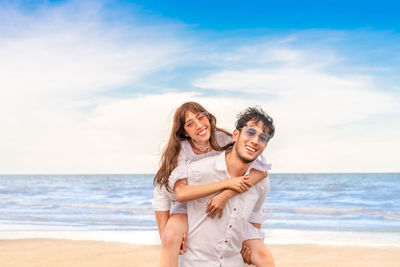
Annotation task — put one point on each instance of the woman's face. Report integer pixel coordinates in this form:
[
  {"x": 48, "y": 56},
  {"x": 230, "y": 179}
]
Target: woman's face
[{"x": 197, "y": 126}]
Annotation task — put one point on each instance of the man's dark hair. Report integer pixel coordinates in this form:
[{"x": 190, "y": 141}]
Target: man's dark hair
[{"x": 255, "y": 114}]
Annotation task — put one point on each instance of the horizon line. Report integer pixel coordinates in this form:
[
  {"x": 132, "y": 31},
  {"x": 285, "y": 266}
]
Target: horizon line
[{"x": 3, "y": 174}]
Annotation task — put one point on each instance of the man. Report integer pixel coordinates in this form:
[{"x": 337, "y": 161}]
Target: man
[{"x": 218, "y": 242}]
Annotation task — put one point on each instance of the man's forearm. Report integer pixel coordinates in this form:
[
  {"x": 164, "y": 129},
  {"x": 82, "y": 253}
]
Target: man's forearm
[
  {"x": 256, "y": 176},
  {"x": 229, "y": 193}
]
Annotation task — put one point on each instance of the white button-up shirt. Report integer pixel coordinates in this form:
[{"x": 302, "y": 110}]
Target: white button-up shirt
[
  {"x": 217, "y": 242},
  {"x": 162, "y": 198}
]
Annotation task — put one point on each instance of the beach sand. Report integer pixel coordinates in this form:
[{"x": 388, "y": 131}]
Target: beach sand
[{"x": 63, "y": 253}]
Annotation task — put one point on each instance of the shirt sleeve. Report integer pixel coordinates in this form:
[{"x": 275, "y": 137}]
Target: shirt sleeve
[
  {"x": 223, "y": 139},
  {"x": 183, "y": 157},
  {"x": 161, "y": 200},
  {"x": 261, "y": 164},
  {"x": 180, "y": 172},
  {"x": 257, "y": 216}
]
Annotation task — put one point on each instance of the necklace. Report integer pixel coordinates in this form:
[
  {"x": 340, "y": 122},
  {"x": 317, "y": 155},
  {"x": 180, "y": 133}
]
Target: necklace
[{"x": 204, "y": 148}]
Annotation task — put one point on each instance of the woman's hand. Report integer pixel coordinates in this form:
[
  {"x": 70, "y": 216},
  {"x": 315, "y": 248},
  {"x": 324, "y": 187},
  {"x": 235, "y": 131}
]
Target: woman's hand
[
  {"x": 183, "y": 244},
  {"x": 246, "y": 254},
  {"x": 216, "y": 205},
  {"x": 240, "y": 184}
]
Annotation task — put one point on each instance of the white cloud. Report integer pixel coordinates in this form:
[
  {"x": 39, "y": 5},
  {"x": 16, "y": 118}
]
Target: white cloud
[
  {"x": 318, "y": 98},
  {"x": 55, "y": 70},
  {"x": 118, "y": 136},
  {"x": 59, "y": 70},
  {"x": 322, "y": 117},
  {"x": 81, "y": 57}
]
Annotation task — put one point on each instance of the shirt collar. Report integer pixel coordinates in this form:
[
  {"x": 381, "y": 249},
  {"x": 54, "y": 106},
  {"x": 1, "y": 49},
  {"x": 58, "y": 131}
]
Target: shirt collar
[{"x": 220, "y": 164}]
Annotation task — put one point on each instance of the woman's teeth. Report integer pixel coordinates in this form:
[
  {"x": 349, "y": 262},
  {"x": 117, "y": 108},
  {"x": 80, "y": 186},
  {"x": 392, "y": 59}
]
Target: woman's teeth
[{"x": 203, "y": 132}]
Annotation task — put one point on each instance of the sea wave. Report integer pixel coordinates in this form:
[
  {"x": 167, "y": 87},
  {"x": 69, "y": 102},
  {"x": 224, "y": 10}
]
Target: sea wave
[{"x": 328, "y": 210}]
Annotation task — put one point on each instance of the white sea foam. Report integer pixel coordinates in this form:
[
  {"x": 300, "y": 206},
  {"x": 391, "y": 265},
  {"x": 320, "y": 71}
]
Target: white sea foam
[
  {"x": 272, "y": 237},
  {"x": 12, "y": 232},
  {"x": 331, "y": 238}
]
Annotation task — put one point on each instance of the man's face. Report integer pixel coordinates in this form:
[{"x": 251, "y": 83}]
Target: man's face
[{"x": 249, "y": 146}]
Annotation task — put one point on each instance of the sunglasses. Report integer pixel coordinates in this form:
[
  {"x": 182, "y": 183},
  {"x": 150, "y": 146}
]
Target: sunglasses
[
  {"x": 201, "y": 117},
  {"x": 250, "y": 132}
]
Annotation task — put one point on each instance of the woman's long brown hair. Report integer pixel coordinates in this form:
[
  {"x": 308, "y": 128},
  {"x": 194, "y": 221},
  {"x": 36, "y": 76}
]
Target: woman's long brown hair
[{"x": 169, "y": 158}]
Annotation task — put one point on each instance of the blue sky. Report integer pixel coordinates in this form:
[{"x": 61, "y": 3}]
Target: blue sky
[
  {"x": 280, "y": 15},
  {"x": 91, "y": 86}
]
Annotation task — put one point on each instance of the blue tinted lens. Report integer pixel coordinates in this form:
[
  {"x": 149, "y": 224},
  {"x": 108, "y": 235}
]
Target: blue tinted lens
[
  {"x": 250, "y": 132},
  {"x": 264, "y": 138}
]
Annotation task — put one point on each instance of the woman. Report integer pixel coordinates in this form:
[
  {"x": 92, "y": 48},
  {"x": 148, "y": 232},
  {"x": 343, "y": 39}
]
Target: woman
[{"x": 194, "y": 136}]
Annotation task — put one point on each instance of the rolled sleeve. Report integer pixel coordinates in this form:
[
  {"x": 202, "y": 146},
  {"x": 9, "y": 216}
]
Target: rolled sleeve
[
  {"x": 183, "y": 158},
  {"x": 261, "y": 164},
  {"x": 161, "y": 201},
  {"x": 223, "y": 139},
  {"x": 180, "y": 172},
  {"x": 257, "y": 216}
]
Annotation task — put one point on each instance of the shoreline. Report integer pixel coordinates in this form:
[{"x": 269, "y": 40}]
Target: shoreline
[
  {"x": 272, "y": 237},
  {"x": 83, "y": 253}
]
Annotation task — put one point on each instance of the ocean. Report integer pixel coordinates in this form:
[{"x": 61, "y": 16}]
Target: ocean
[{"x": 333, "y": 209}]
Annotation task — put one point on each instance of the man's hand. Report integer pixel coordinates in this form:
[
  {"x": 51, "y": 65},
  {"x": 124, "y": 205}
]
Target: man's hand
[
  {"x": 216, "y": 205},
  {"x": 246, "y": 254},
  {"x": 183, "y": 244}
]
